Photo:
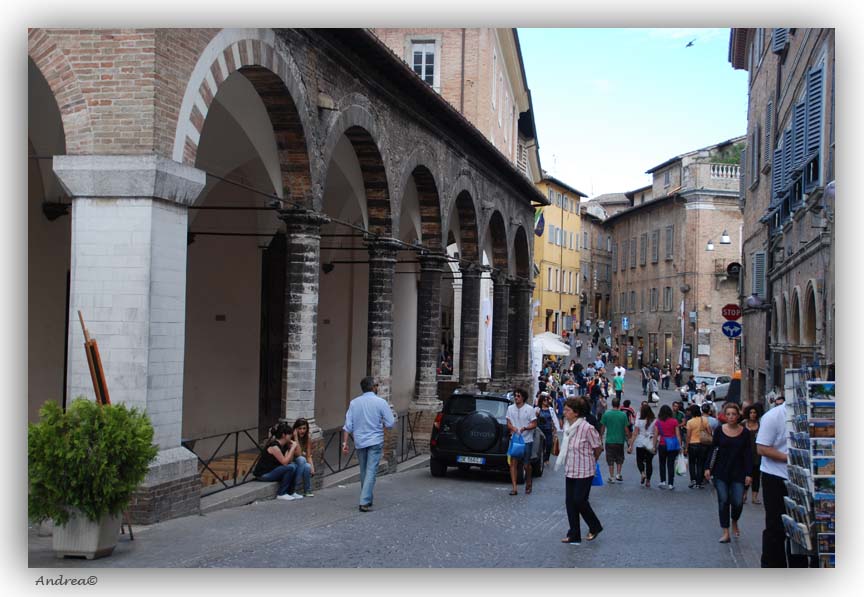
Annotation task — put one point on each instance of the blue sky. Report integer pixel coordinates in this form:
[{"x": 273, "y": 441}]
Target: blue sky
[{"x": 611, "y": 103}]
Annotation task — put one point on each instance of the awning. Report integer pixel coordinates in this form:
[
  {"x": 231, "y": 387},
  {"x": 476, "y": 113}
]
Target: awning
[{"x": 551, "y": 344}]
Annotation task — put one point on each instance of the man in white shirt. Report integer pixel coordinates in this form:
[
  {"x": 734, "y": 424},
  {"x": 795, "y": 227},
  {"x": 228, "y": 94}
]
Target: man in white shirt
[
  {"x": 771, "y": 444},
  {"x": 522, "y": 419},
  {"x": 619, "y": 370}
]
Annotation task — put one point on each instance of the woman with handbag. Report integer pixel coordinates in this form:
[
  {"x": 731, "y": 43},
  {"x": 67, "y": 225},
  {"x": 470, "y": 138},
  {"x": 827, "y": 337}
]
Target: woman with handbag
[
  {"x": 730, "y": 467},
  {"x": 643, "y": 438},
  {"x": 580, "y": 450},
  {"x": 667, "y": 444},
  {"x": 699, "y": 440},
  {"x": 547, "y": 422}
]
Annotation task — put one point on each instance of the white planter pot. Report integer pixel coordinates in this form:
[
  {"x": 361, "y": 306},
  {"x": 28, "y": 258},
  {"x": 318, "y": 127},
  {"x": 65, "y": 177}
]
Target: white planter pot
[{"x": 82, "y": 537}]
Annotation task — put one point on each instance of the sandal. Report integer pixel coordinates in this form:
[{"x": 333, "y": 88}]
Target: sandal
[
  {"x": 514, "y": 492},
  {"x": 527, "y": 490},
  {"x": 592, "y": 536}
]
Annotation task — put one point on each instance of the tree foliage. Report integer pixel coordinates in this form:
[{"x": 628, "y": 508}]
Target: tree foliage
[{"x": 90, "y": 458}]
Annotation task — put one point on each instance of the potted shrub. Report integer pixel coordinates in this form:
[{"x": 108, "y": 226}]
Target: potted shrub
[{"x": 83, "y": 466}]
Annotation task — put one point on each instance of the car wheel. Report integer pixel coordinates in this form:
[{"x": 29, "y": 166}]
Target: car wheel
[
  {"x": 437, "y": 468},
  {"x": 537, "y": 468}
]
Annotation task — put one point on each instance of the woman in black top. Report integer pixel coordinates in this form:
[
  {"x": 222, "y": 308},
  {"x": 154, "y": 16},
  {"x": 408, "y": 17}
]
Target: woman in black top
[
  {"x": 751, "y": 422},
  {"x": 276, "y": 462},
  {"x": 731, "y": 465}
]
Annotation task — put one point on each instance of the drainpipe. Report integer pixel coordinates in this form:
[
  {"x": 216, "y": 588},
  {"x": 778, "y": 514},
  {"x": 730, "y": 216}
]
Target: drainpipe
[{"x": 462, "y": 92}]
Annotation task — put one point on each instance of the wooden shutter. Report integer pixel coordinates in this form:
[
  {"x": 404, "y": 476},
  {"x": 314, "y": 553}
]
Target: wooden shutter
[
  {"x": 643, "y": 248},
  {"x": 655, "y": 246},
  {"x": 799, "y": 124},
  {"x": 776, "y": 175},
  {"x": 779, "y": 39},
  {"x": 757, "y": 274},
  {"x": 742, "y": 175},
  {"x": 615, "y": 257},
  {"x": 633, "y": 252},
  {"x": 814, "y": 110},
  {"x": 670, "y": 241},
  {"x": 787, "y": 159},
  {"x": 769, "y": 117}
]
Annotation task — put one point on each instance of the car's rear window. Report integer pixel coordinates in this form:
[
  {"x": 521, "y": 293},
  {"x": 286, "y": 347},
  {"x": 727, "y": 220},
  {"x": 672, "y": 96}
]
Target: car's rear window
[
  {"x": 463, "y": 405},
  {"x": 708, "y": 380}
]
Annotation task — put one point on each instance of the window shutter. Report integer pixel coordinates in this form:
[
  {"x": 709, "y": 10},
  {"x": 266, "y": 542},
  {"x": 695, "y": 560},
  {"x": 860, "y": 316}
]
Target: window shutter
[
  {"x": 814, "y": 110},
  {"x": 633, "y": 252},
  {"x": 799, "y": 124},
  {"x": 769, "y": 116},
  {"x": 758, "y": 274},
  {"x": 643, "y": 248},
  {"x": 776, "y": 175},
  {"x": 787, "y": 159},
  {"x": 655, "y": 246},
  {"x": 670, "y": 241},
  {"x": 779, "y": 40},
  {"x": 615, "y": 257},
  {"x": 742, "y": 175}
]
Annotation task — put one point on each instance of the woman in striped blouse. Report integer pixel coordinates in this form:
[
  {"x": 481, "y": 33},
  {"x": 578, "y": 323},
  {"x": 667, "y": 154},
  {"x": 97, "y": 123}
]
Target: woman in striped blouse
[{"x": 580, "y": 450}]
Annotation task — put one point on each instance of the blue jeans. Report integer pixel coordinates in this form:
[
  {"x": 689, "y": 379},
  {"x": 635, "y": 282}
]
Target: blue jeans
[
  {"x": 286, "y": 474},
  {"x": 730, "y": 496},
  {"x": 368, "y": 458},
  {"x": 305, "y": 470}
]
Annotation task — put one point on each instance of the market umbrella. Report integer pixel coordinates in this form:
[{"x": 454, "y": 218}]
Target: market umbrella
[{"x": 551, "y": 344}]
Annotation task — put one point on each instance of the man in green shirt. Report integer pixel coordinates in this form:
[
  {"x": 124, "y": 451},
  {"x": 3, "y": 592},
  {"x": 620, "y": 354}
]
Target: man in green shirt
[
  {"x": 614, "y": 422},
  {"x": 618, "y": 384}
]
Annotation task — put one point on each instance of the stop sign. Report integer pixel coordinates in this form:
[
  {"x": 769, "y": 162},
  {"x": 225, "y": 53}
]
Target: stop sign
[{"x": 731, "y": 312}]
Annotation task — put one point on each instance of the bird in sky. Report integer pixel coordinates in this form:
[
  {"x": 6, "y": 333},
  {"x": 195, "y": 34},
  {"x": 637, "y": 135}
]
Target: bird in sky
[{"x": 690, "y": 43}]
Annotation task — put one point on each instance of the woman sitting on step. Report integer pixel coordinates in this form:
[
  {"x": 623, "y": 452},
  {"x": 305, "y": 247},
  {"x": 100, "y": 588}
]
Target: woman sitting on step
[
  {"x": 277, "y": 462},
  {"x": 304, "y": 455}
]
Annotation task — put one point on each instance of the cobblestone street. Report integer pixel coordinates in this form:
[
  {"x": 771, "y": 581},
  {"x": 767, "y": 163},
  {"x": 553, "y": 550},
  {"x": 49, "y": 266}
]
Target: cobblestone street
[{"x": 463, "y": 520}]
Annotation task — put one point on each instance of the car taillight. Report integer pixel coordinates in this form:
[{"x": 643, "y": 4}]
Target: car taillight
[{"x": 437, "y": 423}]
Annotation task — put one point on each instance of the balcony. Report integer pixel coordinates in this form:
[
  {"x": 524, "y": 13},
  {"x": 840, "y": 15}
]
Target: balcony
[
  {"x": 724, "y": 177},
  {"x": 725, "y": 171}
]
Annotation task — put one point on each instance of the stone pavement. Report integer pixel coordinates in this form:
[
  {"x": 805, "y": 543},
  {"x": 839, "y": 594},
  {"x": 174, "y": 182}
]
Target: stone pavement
[{"x": 462, "y": 520}]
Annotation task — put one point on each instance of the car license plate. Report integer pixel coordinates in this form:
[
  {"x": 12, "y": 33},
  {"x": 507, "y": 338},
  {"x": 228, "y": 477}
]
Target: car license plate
[{"x": 470, "y": 460}]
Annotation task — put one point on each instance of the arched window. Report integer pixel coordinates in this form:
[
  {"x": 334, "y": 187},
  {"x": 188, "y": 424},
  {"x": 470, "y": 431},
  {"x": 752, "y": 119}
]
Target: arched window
[{"x": 808, "y": 337}]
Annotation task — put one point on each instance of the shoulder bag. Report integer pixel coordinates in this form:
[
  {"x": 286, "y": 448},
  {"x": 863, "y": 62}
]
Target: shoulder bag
[{"x": 705, "y": 437}]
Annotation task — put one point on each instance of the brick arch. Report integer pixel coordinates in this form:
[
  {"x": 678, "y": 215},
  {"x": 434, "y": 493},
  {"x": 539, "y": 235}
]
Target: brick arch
[
  {"x": 272, "y": 72},
  {"x": 364, "y": 134},
  {"x": 522, "y": 253},
  {"x": 464, "y": 183},
  {"x": 468, "y": 230},
  {"x": 498, "y": 231},
  {"x": 61, "y": 79},
  {"x": 811, "y": 321},
  {"x": 794, "y": 333},
  {"x": 784, "y": 317},
  {"x": 420, "y": 166}
]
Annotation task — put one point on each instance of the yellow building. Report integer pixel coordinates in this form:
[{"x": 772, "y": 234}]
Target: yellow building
[{"x": 556, "y": 255}]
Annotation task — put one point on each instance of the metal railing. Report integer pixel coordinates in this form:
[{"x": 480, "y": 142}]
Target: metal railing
[
  {"x": 225, "y": 467},
  {"x": 217, "y": 458}
]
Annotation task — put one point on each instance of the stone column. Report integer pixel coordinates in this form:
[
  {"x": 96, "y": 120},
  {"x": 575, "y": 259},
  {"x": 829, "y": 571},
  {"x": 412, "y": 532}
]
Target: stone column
[
  {"x": 303, "y": 238},
  {"x": 524, "y": 291},
  {"x": 379, "y": 352},
  {"x": 426, "y": 404},
  {"x": 500, "y": 324},
  {"x": 457, "y": 320},
  {"x": 470, "y": 325},
  {"x": 128, "y": 279}
]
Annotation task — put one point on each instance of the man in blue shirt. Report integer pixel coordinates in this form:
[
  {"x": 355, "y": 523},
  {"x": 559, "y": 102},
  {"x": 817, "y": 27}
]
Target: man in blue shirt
[{"x": 366, "y": 418}]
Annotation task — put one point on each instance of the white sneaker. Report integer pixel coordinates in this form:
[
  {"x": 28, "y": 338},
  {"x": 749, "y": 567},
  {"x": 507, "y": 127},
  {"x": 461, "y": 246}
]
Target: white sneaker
[
  {"x": 670, "y": 487},
  {"x": 296, "y": 496},
  {"x": 285, "y": 496},
  {"x": 662, "y": 486}
]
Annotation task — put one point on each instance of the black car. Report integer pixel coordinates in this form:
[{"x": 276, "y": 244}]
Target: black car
[{"x": 471, "y": 430}]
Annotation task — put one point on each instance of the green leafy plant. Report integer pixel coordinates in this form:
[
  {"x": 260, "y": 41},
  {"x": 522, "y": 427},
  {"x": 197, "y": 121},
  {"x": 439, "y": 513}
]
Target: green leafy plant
[{"x": 90, "y": 458}]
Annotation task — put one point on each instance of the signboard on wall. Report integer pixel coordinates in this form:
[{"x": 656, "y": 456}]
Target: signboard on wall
[{"x": 687, "y": 356}]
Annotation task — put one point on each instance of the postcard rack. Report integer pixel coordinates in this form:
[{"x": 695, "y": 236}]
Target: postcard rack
[{"x": 809, "y": 520}]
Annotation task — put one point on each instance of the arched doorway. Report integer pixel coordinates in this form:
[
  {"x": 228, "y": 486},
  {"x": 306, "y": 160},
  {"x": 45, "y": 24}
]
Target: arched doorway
[{"x": 48, "y": 248}]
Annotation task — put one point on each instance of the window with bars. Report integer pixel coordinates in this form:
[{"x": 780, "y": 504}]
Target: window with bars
[
  {"x": 643, "y": 248},
  {"x": 670, "y": 242},
  {"x": 423, "y": 61}
]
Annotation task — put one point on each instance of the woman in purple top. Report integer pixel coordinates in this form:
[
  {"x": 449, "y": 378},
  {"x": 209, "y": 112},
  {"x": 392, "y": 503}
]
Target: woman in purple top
[
  {"x": 730, "y": 465},
  {"x": 667, "y": 444}
]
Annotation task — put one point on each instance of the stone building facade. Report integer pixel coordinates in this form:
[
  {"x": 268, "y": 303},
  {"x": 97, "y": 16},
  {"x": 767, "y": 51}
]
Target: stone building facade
[
  {"x": 596, "y": 267},
  {"x": 557, "y": 257},
  {"x": 788, "y": 203},
  {"x": 250, "y": 221},
  {"x": 668, "y": 290}
]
